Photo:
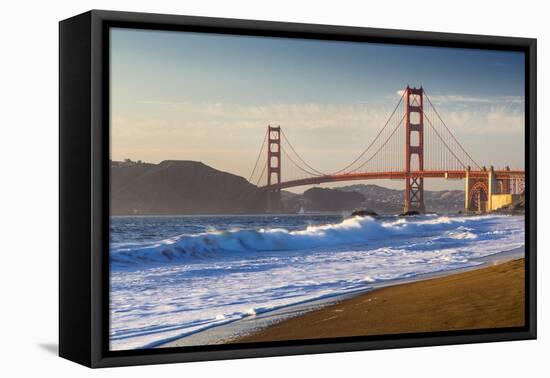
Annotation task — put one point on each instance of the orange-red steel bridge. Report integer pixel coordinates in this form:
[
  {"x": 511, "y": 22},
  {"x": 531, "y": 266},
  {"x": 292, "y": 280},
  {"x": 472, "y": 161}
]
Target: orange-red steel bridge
[{"x": 414, "y": 144}]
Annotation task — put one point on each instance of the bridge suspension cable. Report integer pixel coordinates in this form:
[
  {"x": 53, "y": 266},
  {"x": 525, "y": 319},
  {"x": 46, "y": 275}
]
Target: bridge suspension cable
[
  {"x": 317, "y": 172},
  {"x": 261, "y": 175},
  {"x": 450, "y": 132},
  {"x": 383, "y": 144},
  {"x": 258, "y": 159},
  {"x": 375, "y": 138},
  {"x": 444, "y": 143},
  {"x": 285, "y": 153},
  {"x": 386, "y": 154}
]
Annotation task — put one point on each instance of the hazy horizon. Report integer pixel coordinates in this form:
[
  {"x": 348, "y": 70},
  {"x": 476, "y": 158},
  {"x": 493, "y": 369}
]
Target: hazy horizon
[{"x": 210, "y": 97}]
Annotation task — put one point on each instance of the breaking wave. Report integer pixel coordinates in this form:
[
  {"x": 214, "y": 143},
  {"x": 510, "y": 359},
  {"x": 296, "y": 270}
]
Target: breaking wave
[{"x": 356, "y": 230}]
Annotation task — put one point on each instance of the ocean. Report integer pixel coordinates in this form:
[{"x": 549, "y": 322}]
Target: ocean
[{"x": 175, "y": 276}]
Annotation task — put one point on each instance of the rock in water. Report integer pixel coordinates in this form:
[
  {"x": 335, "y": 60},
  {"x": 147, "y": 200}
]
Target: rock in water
[
  {"x": 409, "y": 213},
  {"x": 363, "y": 213}
]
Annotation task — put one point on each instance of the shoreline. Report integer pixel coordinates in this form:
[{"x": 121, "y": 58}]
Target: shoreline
[
  {"x": 490, "y": 297},
  {"x": 239, "y": 329}
]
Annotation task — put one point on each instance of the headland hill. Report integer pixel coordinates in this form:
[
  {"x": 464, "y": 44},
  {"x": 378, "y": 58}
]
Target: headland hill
[{"x": 184, "y": 187}]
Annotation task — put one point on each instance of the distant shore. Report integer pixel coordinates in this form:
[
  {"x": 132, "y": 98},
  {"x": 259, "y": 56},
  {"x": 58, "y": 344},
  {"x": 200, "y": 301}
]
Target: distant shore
[{"x": 490, "y": 297}]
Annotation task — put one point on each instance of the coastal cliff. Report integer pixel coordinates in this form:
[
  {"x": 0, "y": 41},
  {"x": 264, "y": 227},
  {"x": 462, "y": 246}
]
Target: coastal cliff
[{"x": 180, "y": 187}]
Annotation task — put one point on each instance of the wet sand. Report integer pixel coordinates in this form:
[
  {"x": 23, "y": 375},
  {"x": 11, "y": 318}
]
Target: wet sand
[{"x": 491, "y": 297}]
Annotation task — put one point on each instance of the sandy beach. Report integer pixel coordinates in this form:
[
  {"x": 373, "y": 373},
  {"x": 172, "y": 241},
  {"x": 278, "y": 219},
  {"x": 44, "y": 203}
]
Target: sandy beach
[
  {"x": 217, "y": 287},
  {"x": 490, "y": 297}
]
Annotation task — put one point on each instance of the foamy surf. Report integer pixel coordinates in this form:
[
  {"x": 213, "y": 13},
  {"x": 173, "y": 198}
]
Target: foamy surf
[
  {"x": 214, "y": 244},
  {"x": 190, "y": 282}
]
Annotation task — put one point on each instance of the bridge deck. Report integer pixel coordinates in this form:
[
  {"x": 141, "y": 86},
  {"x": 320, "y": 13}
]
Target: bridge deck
[{"x": 400, "y": 175}]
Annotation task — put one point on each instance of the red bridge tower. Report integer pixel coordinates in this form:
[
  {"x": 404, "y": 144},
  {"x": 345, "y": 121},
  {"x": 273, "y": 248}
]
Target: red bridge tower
[
  {"x": 273, "y": 167},
  {"x": 414, "y": 190}
]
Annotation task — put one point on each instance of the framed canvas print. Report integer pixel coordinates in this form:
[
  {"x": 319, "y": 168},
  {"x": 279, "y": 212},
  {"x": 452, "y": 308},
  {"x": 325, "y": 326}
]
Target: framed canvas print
[{"x": 234, "y": 188}]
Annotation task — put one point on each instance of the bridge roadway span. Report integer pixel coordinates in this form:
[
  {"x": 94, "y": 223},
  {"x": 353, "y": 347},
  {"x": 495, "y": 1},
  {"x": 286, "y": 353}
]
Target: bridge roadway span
[{"x": 401, "y": 175}]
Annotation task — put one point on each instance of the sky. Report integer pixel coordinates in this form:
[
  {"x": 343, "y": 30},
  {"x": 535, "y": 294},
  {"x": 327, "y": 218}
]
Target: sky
[{"x": 210, "y": 97}]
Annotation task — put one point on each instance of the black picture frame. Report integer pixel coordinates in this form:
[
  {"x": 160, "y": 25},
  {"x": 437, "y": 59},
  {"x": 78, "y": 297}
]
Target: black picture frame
[{"x": 84, "y": 187}]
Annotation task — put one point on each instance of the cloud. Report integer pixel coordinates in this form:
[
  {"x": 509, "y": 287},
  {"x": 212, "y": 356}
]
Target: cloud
[
  {"x": 491, "y": 121},
  {"x": 456, "y": 99},
  {"x": 330, "y": 135},
  {"x": 313, "y": 121},
  {"x": 491, "y": 100}
]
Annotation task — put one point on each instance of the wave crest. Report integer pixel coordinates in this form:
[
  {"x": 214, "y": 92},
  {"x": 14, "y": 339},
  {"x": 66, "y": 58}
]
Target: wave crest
[{"x": 217, "y": 244}]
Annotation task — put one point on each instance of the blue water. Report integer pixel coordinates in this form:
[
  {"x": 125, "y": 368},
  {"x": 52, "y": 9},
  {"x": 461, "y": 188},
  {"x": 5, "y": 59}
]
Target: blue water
[
  {"x": 153, "y": 228},
  {"x": 171, "y": 276}
]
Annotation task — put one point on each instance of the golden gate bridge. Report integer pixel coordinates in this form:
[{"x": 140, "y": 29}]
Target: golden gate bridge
[{"x": 414, "y": 144}]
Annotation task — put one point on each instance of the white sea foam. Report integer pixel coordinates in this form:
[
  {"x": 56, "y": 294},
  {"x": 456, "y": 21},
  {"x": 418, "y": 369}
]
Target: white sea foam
[
  {"x": 186, "y": 248},
  {"x": 188, "y": 283}
]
